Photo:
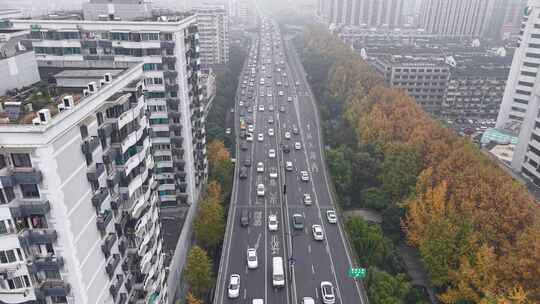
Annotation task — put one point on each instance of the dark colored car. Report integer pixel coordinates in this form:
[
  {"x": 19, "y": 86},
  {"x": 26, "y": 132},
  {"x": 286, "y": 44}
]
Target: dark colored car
[
  {"x": 286, "y": 148},
  {"x": 244, "y": 218},
  {"x": 247, "y": 162},
  {"x": 243, "y": 172},
  {"x": 243, "y": 146}
]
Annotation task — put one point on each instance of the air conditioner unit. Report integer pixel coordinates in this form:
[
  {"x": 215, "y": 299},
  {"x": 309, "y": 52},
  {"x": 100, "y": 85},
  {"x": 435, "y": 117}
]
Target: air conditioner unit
[
  {"x": 92, "y": 87},
  {"x": 36, "y": 121},
  {"x": 44, "y": 116},
  {"x": 68, "y": 102},
  {"x": 85, "y": 92},
  {"x": 107, "y": 77},
  {"x": 62, "y": 107},
  {"x": 101, "y": 83}
]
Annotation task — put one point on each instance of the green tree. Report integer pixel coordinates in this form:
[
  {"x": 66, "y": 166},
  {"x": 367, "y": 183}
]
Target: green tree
[
  {"x": 191, "y": 299},
  {"x": 198, "y": 272},
  {"x": 400, "y": 168},
  {"x": 370, "y": 244},
  {"x": 374, "y": 198},
  {"x": 209, "y": 224},
  {"x": 384, "y": 288},
  {"x": 340, "y": 169}
]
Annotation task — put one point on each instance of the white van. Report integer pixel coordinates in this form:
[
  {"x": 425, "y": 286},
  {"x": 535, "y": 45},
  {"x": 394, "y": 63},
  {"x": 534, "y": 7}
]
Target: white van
[{"x": 278, "y": 274}]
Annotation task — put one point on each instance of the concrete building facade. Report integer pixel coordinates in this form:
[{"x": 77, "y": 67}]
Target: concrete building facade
[
  {"x": 78, "y": 196},
  {"x": 522, "y": 97},
  {"x": 370, "y": 13},
  {"x": 456, "y": 18},
  {"x": 424, "y": 79},
  {"x": 213, "y": 28}
]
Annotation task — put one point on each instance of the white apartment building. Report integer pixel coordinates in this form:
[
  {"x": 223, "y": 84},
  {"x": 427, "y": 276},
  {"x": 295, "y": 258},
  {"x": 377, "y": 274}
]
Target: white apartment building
[
  {"x": 170, "y": 53},
  {"x": 521, "y": 101},
  {"x": 78, "y": 194},
  {"x": 213, "y": 27}
]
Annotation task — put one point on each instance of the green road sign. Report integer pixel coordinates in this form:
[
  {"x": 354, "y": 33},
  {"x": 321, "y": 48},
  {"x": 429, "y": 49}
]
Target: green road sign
[{"x": 357, "y": 273}]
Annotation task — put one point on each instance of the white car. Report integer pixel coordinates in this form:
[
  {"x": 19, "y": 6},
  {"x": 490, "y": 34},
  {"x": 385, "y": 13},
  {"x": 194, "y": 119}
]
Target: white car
[
  {"x": 257, "y": 301},
  {"x": 331, "y": 216},
  {"x": 249, "y": 137},
  {"x": 251, "y": 128},
  {"x": 261, "y": 108},
  {"x": 270, "y": 132},
  {"x": 318, "y": 234},
  {"x": 260, "y": 167},
  {"x": 252, "y": 261},
  {"x": 260, "y": 190},
  {"x": 327, "y": 293},
  {"x": 272, "y": 153},
  {"x": 272, "y": 222},
  {"x": 234, "y": 286},
  {"x": 297, "y": 145},
  {"x": 289, "y": 99},
  {"x": 289, "y": 166},
  {"x": 260, "y": 137},
  {"x": 307, "y": 300},
  {"x": 287, "y": 135},
  {"x": 228, "y": 131},
  {"x": 273, "y": 173},
  {"x": 307, "y": 199},
  {"x": 241, "y": 103},
  {"x": 280, "y": 93},
  {"x": 269, "y": 94},
  {"x": 304, "y": 176}
]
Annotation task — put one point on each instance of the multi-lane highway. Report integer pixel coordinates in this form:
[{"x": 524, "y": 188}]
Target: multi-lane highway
[{"x": 275, "y": 112}]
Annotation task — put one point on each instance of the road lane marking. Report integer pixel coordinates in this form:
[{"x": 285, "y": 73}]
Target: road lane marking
[
  {"x": 258, "y": 240},
  {"x": 312, "y": 269},
  {"x": 309, "y": 248}
]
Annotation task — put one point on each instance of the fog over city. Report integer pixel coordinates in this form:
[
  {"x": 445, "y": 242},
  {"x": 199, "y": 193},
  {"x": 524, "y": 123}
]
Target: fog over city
[{"x": 269, "y": 151}]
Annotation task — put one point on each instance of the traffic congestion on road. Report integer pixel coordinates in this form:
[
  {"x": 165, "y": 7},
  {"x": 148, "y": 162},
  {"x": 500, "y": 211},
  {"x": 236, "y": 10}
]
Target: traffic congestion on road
[{"x": 284, "y": 241}]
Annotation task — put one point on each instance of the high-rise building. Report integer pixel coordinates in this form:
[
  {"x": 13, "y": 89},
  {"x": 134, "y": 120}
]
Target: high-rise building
[
  {"x": 246, "y": 12},
  {"x": 519, "y": 109},
  {"x": 117, "y": 9},
  {"x": 456, "y": 18},
  {"x": 213, "y": 27},
  {"x": 78, "y": 191},
  {"x": 370, "y": 13},
  {"x": 171, "y": 68}
]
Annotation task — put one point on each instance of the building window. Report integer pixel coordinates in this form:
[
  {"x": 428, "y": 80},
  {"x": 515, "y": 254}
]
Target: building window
[
  {"x": 3, "y": 227},
  {"x": 522, "y": 101},
  {"x": 532, "y": 55},
  {"x": 3, "y": 163},
  {"x": 168, "y": 37},
  {"x": 92, "y": 51},
  {"x": 526, "y": 84},
  {"x": 6, "y": 195},
  {"x": 523, "y": 92},
  {"x": 518, "y": 109},
  {"x": 21, "y": 160},
  {"x": 531, "y": 65},
  {"x": 29, "y": 190},
  {"x": 7, "y": 256},
  {"x": 530, "y": 74}
]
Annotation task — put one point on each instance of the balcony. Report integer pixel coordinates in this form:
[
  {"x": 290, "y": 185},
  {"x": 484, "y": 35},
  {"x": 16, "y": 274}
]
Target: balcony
[
  {"x": 90, "y": 145},
  {"x": 103, "y": 220},
  {"x": 94, "y": 173},
  {"x": 38, "y": 236},
  {"x": 169, "y": 60},
  {"x": 167, "y": 44},
  {"x": 27, "y": 177},
  {"x": 108, "y": 243},
  {"x": 170, "y": 74},
  {"x": 27, "y": 208},
  {"x": 111, "y": 266},
  {"x": 54, "y": 288},
  {"x": 46, "y": 263},
  {"x": 171, "y": 87}
]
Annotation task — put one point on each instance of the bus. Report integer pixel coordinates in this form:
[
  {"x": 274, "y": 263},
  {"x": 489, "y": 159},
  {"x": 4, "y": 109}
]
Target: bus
[{"x": 278, "y": 274}]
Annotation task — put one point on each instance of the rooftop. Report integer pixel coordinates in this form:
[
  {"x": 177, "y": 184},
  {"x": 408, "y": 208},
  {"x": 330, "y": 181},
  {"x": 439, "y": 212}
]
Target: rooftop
[{"x": 21, "y": 106}]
